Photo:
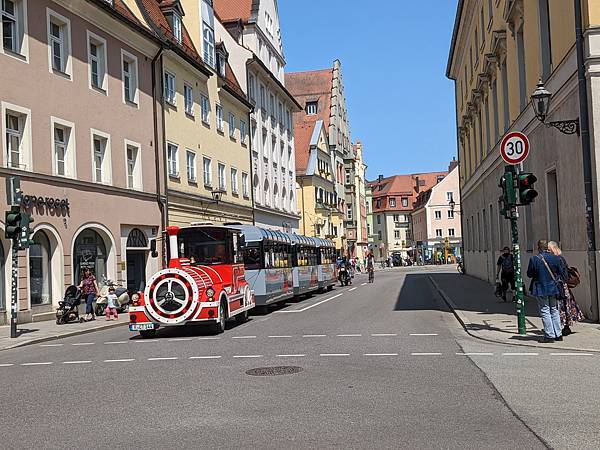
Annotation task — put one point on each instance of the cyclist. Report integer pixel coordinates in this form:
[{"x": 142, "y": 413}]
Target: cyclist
[{"x": 370, "y": 267}]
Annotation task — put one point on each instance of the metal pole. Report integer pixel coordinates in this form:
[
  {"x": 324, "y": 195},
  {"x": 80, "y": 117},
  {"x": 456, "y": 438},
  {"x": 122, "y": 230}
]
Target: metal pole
[
  {"x": 514, "y": 228},
  {"x": 13, "y": 302}
]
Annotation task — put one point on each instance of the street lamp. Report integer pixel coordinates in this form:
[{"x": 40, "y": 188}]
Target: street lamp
[{"x": 541, "y": 101}]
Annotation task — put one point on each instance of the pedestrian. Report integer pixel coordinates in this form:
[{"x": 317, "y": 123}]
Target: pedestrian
[
  {"x": 89, "y": 291},
  {"x": 506, "y": 272},
  {"x": 111, "y": 304},
  {"x": 569, "y": 309},
  {"x": 546, "y": 270}
]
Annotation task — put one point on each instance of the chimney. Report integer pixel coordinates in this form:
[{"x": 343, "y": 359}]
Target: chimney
[
  {"x": 453, "y": 164},
  {"x": 417, "y": 184},
  {"x": 380, "y": 179}
]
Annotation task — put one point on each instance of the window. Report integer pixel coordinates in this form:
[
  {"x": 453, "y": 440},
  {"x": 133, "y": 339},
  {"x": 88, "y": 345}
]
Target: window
[
  {"x": 523, "y": 96},
  {"x": 101, "y": 157},
  {"x": 449, "y": 196},
  {"x": 170, "y": 88},
  {"x": 130, "y": 78},
  {"x": 280, "y": 114},
  {"x": 392, "y": 202},
  {"x": 243, "y": 132},
  {"x": 263, "y": 98},
  {"x": 231, "y": 125},
  {"x": 396, "y": 217},
  {"x": 378, "y": 219},
  {"x": 396, "y": 234},
  {"x": 191, "y": 166},
  {"x": 378, "y": 203},
  {"x": 349, "y": 212},
  {"x": 450, "y": 214},
  {"x": 438, "y": 215},
  {"x": 59, "y": 42},
  {"x": 288, "y": 121},
  {"x": 188, "y": 95},
  {"x": 134, "y": 178},
  {"x": 545, "y": 38},
  {"x": 272, "y": 109},
  {"x": 245, "y": 187},
  {"x": 209, "y": 44},
  {"x": 62, "y": 135},
  {"x": 207, "y": 171},
  {"x": 251, "y": 87},
  {"x": 348, "y": 177},
  {"x": 173, "y": 160},
  {"x": 311, "y": 108},
  {"x": 97, "y": 62},
  {"x": 379, "y": 235},
  {"x": 205, "y": 109},
  {"x": 553, "y": 206},
  {"x": 14, "y": 24},
  {"x": 438, "y": 232},
  {"x": 221, "y": 61},
  {"x": 14, "y": 140},
  {"x": 219, "y": 114},
  {"x": 222, "y": 180},
  {"x": 234, "y": 181},
  {"x": 451, "y": 232},
  {"x": 177, "y": 27},
  {"x": 405, "y": 202}
]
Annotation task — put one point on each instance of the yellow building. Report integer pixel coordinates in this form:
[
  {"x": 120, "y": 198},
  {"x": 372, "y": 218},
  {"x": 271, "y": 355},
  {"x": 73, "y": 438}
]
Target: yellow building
[
  {"x": 206, "y": 118},
  {"x": 317, "y": 200},
  {"x": 500, "y": 50}
]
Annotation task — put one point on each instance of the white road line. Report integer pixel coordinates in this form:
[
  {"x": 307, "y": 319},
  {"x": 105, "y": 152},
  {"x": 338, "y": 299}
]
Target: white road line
[
  {"x": 291, "y": 356},
  {"x": 180, "y": 339},
  {"x": 209, "y": 338},
  {"x": 170, "y": 358},
  {"x": 6, "y": 365},
  {"x": 118, "y": 360},
  {"x": 51, "y": 345},
  {"x": 425, "y": 354},
  {"x": 247, "y": 356},
  {"x": 349, "y": 335},
  {"x": 423, "y": 334},
  {"x": 311, "y": 306},
  {"x": 571, "y": 354},
  {"x": 364, "y": 284},
  {"x": 381, "y": 354},
  {"x": 276, "y": 337},
  {"x": 76, "y": 362},
  {"x": 352, "y": 289},
  {"x": 204, "y": 357},
  {"x": 243, "y": 337},
  {"x": 520, "y": 354},
  {"x": 84, "y": 343},
  {"x": 383, "y": 334},
  {"x": 334, "y": 354},
  {"x": 475, "y": 354},
  {"x": 37, "y": 364},
  {"x": 115, "y": 342},
  {"x": 313, "y": 335}
]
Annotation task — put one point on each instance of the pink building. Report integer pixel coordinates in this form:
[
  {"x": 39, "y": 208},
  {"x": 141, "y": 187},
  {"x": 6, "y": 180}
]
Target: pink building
[{"x": 77, "y": 115}]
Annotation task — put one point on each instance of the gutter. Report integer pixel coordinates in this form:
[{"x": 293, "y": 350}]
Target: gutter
[{"x": 161, "y": 200}]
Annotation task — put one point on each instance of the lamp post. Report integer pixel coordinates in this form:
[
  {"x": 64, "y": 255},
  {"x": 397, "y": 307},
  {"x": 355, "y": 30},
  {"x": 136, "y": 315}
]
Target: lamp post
[{"x": 540, "y": 100}]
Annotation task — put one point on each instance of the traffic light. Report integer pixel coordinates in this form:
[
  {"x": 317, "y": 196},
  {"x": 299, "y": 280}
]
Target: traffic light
[
  {"x": 26, "y": 232},
  {"x": 527, "y": 193},
  {"x": 12, "y": 222},
  {"x": 507, "y": 184}
]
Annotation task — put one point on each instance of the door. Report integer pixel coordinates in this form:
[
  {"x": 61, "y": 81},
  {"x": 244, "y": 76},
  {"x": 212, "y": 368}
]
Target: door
[{"x": 136, "y": 270}]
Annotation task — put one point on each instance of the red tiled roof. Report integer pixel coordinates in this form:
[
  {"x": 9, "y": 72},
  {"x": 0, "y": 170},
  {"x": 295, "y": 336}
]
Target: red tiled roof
[
  {"x": 124, "y": 10},
  {"x": 402, "y": 186},
  {"x": 309, "y": 87},
  {"x": 302, "y": 134},
  {"x": 229, "y": 10}
]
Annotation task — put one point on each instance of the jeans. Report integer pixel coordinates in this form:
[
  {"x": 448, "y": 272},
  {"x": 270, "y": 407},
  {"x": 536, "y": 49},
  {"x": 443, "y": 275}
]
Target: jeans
[
  {"x": 550, "y": 316},
  {"x": 89, "y": 303}
]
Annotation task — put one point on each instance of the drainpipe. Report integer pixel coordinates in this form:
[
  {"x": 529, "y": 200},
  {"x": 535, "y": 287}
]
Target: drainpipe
[
  {"x": 587, "y": 157},
  {"x": 158, "y": 146}
]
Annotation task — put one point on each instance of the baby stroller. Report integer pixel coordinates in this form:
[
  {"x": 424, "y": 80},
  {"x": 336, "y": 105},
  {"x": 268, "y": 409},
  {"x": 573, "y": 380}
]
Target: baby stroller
[{"x": 68, "y": 310}]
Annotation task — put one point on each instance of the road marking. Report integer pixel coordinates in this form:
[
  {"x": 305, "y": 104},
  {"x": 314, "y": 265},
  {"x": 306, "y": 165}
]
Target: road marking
[
  {"x": 37, "y": 364},
  {"x": 84, "y": 343},
  {"x": 204, "y": 357},
  {"x": 291, "y": 356},
  {"x": 6, "y": 365},
  {"x": 381, "y": 354},
  {"x": 247, "y": 356},
  {"x": 115, "y": 342},
  {"x": 423, "y": 334},
  {"x": 352, "y": 289},
  {"x": 349, "y": 335},
  {"x": 118, "y": 360},
  {"x": 280, "y": 337},
  {"x": 51, "y": 345},
  {"x": 76, "y": 362},
  {"x": 180, "y": 339},
  {"x": 384, "y": 334},
  {"x": 571, "y": 354},
  {"x": 475, "y": 354},
  {"x": 425, "y": 354},
  {"x": 209, "y": 338},
  {"x": 520, "y": 354},
  {"x": 313, "y": 335},
  {"x": 334, "y": 354},
  {"x": 311, "y": 306},
  {"x": 243, "y": 337},
  {"x": 170, "y": 358},
  {"x": 364, "y": 284}
]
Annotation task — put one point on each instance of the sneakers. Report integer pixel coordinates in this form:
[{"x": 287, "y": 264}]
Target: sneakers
[{"x": 549, "y": 340}]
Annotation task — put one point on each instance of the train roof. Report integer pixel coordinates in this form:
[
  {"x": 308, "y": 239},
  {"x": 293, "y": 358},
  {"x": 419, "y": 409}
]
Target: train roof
[{"x": 258, "y": 234}]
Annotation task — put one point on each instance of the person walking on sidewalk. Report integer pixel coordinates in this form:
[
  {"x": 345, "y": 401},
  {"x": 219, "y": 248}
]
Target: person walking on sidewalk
[
  {"x": 546, "y": 270},
  {"x": 506, "y": 271},
  {"x": 111, "y": 304},
  {"x": 89, "y": 290},
  {"x": 569, "y": 309}
]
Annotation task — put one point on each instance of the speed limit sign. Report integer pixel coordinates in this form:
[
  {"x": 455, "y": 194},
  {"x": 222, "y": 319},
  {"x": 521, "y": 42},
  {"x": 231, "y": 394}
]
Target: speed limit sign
[{"x": 514, "y": 148}]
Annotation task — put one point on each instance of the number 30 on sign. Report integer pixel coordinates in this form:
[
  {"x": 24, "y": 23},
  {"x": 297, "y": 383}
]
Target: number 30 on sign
[{"x": 514, "y": 148}]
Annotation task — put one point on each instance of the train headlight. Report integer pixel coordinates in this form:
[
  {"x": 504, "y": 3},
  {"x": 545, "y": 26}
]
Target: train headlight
[{"x": 210, "y": 292}]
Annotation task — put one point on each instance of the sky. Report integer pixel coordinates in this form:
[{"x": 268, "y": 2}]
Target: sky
[{"x": 400, "y": 103}]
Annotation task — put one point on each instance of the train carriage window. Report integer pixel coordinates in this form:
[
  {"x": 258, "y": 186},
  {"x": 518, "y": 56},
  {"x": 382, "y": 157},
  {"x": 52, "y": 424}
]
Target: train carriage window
[
  {"x": 252, "y": 257},
  {"x": 205, "y": 246}
]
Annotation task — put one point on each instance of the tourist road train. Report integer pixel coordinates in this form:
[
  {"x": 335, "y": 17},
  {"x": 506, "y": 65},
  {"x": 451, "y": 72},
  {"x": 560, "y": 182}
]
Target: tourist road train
[{"x": 216, "y": 273}]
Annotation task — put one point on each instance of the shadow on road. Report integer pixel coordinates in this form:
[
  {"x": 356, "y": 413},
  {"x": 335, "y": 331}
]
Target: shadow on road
[{"x": 417, "y": 294}]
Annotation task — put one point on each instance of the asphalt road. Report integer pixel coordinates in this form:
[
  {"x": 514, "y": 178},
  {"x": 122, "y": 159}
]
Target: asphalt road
[{"x": 380, "y": 366}]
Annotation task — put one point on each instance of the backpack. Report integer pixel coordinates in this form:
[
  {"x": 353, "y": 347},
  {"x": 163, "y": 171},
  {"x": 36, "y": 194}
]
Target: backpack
[{"x": 507, "y": 264}]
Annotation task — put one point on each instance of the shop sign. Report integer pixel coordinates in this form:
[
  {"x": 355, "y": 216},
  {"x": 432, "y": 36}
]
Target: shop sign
[
  {"x": 87, "y": 254},
  {"x": 52, "y": 203}
]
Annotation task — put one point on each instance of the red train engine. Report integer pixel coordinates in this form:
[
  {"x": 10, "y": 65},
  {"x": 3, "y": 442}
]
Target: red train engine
[{"x": 204, "y": 282}]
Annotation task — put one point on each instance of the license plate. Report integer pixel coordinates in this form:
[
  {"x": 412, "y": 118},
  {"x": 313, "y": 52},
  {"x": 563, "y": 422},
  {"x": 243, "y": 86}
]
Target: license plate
[{"x": 141, "y": 326}]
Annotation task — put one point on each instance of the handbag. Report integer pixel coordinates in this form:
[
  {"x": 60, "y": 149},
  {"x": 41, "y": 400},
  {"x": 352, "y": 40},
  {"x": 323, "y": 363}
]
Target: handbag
[{"x": 574, "y": 277}]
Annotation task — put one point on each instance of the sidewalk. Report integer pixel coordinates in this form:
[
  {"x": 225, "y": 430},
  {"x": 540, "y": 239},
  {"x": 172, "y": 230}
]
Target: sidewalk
[
  {"x": 487, "y": 317},
  {"x": 36, "y": 332}
]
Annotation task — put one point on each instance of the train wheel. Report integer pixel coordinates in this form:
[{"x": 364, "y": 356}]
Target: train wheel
[
  {"x": 219, "y": 327},
  {"x": 242, "y": 317}
]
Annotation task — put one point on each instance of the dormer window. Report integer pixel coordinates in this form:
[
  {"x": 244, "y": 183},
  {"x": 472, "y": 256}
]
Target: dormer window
[
  {"x": 177, "y": 27},
  {"x": 222, "y": 57},
  {"x": 173, "y": 13},
  {"x": 311, "y": 108}
]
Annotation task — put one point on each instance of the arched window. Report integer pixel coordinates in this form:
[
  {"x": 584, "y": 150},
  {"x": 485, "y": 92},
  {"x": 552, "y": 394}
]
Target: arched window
[
  {"x": 40, "y": 270},
  {"x": 284, "y": 198},
  {"x": 255, "y": 183},
  {"x": 137, "y": 238},
  {"x": 276, "y": 196},
  {"x": 292, "y": 206},
  {"x": 89, "y": 252},
  {"x": 267, "y": 195},
  {"x": 2, "y": 279}
]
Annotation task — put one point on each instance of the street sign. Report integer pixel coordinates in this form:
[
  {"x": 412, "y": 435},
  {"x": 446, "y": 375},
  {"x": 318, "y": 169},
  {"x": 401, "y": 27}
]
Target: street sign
[{"x": 514, "y": 148}]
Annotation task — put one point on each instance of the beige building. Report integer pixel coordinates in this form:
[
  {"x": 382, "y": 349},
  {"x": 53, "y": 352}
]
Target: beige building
[
  {"x": 499, "y": 51},
  {"x": 77, "y": 115},
  {"x": 356, "y": 209}
]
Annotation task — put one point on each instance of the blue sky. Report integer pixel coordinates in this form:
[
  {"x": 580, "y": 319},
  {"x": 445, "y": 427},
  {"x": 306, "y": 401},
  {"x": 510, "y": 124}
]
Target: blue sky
[{"x": 400, "y": 104}]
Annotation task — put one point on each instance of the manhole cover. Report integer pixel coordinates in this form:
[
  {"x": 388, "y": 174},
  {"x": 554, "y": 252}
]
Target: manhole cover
[{"x": 272, "y": 371}]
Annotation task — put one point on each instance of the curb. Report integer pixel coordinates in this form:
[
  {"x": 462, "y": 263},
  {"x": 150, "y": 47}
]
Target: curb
[
  {"x": 464, "y": 321},
  {"x": 63, "y": 335}
]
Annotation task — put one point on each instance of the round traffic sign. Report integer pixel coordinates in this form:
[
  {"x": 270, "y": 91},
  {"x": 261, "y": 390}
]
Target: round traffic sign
[{"x": 514, "y": 147}]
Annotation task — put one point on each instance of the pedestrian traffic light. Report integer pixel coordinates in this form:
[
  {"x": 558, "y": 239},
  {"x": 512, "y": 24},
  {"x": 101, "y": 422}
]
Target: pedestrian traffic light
[
  {"x": 26, "y": 232},
  {"x": 12, "y": 222},
  {"x": 527, "y": 193},
  {"x": 507, "y": 183}
]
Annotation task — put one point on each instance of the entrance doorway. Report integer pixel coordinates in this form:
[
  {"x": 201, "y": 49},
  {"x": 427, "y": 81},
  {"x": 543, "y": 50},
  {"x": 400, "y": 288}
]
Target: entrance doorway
[
  {"x": 137, "y": 245},
  {"x": 40, "y": 270},
  {"x": 89, "y": 253}
]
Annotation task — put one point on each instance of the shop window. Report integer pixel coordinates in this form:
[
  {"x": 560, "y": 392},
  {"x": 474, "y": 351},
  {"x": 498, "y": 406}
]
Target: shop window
[
  {"x": 89, "y": 253},
  {"x": 40, "y": 270}
]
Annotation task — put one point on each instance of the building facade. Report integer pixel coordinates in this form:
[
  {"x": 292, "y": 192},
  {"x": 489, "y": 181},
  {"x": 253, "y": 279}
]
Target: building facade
[
  {"x": 255, "y": 25},
  {"x": 393, "y": 199},
  {"x": 435, "y": 222},
  {"x": 499, "y": 52},
  {"x": 356, "y": 202},
  {"x": 89, "y": 171}
]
